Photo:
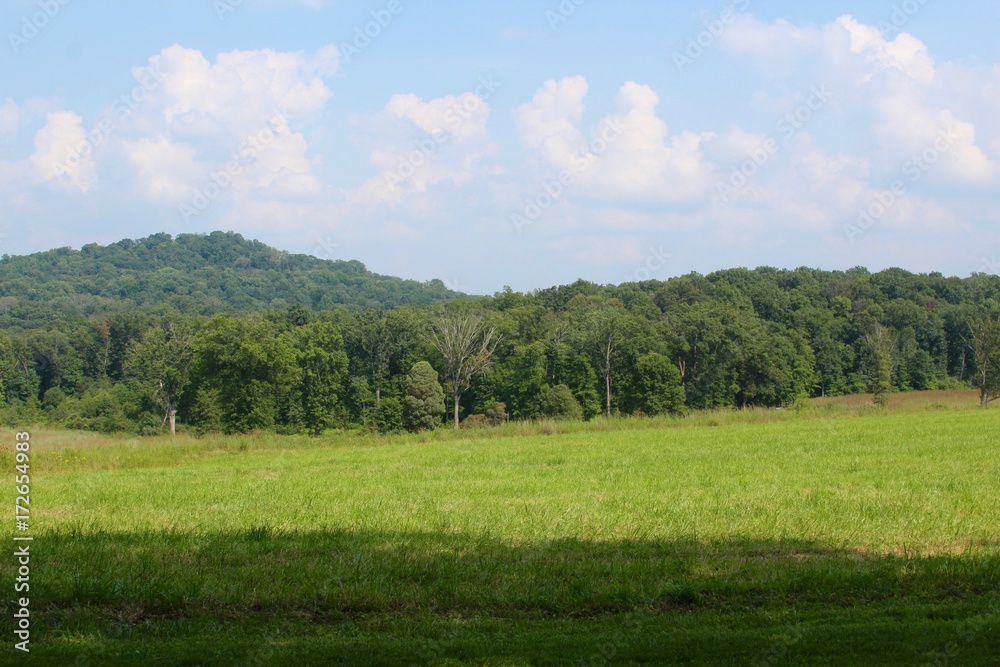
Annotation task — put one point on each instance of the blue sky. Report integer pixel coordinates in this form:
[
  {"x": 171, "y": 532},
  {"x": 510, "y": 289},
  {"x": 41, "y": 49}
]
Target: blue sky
[{"x": 517, "y": 143}]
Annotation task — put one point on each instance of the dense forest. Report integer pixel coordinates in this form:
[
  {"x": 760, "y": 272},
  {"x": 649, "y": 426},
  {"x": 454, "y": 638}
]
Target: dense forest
[
  {"x": 221, "y": 333},
  {"x": 194, "y": 274}
]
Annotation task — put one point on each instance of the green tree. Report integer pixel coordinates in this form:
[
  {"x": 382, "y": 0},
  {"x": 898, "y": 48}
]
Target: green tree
[
  {"x": 388, "y": 416},
  {"x": 602, "y": 326},
  {"x": 573, "y": 369},
  {"x": 657, "y": 385},
  {"x": 160, "y": 361},
  {"x": 381, "y": 338},
  {"x": 18, "y": 380},
  {"x": 250, "y": 366},
  {"x": 561, "y": 404},
  {"x": 322, "y": 371},
  {"x": 519, "y": 380},
  {"x": 776, "y": 366},
  {"x": 423, "y": 405},
  {"x": 985, "y": 344},
  {"x": 705, "y": 339}
]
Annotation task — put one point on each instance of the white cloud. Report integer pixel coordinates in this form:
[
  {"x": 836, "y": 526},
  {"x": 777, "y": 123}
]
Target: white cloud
[
  {"x": 629, "y": 154},
  {"x": 905, "y": 53},
  {"x": 192, "y": 118},
  {"x": 932, "y": 141},
  {"x": 202, "y": 115},
  {"x": 895, "y": 86},
  {"x": 416, "y": 145},
  {"x": 241, "y": 89},
  {"x": 63, "y": 153},
  {"x": 10, "y": 115},
  {"x": 550, "y": 122},
  {"x": 166, "y": 171}
]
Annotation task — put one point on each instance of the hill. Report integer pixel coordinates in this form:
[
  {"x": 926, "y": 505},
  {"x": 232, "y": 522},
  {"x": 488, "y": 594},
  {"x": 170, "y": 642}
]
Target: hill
[
  {"x": 88, "y": 338},
  {"x": 191, "y": 274}
]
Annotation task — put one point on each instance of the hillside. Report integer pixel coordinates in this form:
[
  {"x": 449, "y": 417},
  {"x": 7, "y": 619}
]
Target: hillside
[{"x": 191, "y": 274}]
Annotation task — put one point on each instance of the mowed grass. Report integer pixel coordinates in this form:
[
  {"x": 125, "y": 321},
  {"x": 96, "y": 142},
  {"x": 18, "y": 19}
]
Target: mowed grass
[{"x": 869, "y": 538}]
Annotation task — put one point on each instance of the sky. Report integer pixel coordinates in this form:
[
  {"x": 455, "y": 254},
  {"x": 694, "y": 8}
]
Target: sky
[{"x": 523, "y": 143}]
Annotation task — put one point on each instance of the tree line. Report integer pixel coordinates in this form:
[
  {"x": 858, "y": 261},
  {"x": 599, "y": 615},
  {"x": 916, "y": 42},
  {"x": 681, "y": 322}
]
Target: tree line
[{"x": 735, "y": 338}]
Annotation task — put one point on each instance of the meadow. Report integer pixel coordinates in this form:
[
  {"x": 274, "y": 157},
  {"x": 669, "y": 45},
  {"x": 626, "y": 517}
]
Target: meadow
[{"x": 829, "y": 534}]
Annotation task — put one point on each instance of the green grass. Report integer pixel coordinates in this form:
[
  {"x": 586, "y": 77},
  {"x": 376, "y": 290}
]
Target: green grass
[{"x": 825, "y": 536}]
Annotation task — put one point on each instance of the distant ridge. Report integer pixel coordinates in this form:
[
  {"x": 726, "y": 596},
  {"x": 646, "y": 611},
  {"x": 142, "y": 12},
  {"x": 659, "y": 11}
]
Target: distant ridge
[{"x": 194, "y": 274}]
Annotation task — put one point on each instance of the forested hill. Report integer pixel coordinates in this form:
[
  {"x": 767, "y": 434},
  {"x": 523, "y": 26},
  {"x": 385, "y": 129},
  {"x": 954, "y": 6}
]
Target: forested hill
[
  {"x": 115, "y": 338},
  {"x": 191, "y": 274}
]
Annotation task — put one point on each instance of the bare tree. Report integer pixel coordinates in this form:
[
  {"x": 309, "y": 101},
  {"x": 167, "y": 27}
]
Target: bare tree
[
  {"x": 609, "y": 333},
  {"x": 466, "y": 347},
  {"x": 985, "y": 344}
]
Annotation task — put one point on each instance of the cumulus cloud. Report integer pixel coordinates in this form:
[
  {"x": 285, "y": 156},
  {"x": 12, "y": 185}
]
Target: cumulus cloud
[
  {"x": 191, "y": 117},
  {"x": 233, "y": 120},
  {"x": 630, "y": 154},
  {"x": 62, "y": 152},
  {"x": 241, "y": 89},
  {"x": 895, "y": 86},
  {"x": 416, "y": 145},
  {"x": 549, "y": 123},
  {"x": 905, "y": 53},
  {"x": 167, "y": 172}
]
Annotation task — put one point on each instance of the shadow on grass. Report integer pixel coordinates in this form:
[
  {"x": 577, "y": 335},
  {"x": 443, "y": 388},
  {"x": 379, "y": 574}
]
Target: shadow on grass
[{"x": 327, "y": 593}]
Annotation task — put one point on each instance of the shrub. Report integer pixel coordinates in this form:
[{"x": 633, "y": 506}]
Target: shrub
[
  {"x": 497, "y": 413},
  {"x": 561, "y": 404},
  {"x": 476, "y": 421},
  {"x": 388, "y": 416}
]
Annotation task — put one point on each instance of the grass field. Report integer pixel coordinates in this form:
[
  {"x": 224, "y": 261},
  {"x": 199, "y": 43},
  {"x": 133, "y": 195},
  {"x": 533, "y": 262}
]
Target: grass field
[{"x": 832, "y": 535}]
